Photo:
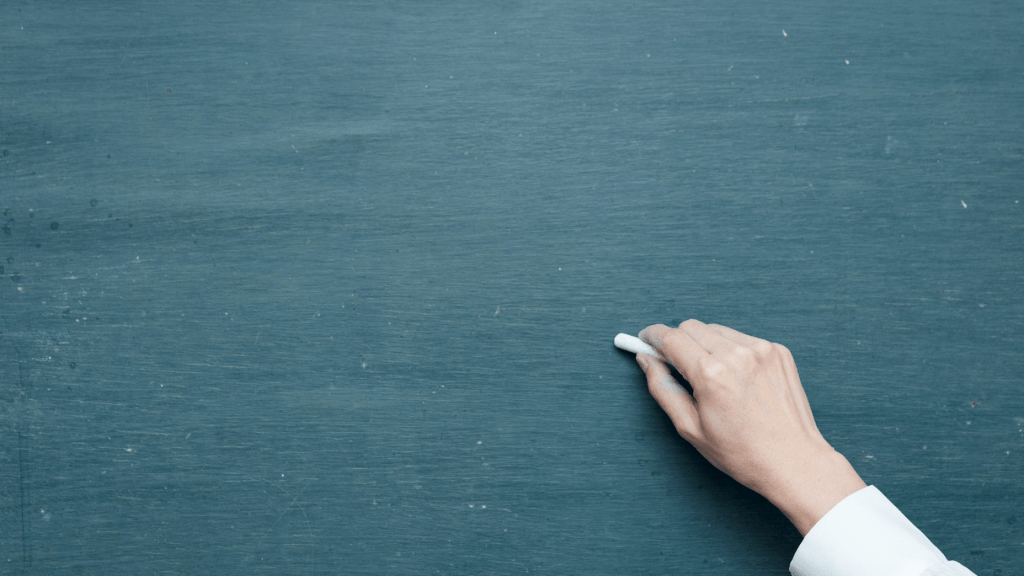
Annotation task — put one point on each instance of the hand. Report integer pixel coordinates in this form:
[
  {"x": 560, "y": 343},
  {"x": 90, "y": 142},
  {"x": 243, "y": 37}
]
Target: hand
[{"x": 748, "y": 416}]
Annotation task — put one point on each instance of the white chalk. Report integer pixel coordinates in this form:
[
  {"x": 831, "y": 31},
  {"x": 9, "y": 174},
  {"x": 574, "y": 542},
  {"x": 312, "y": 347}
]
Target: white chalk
[{"x": 636, "y": 346}]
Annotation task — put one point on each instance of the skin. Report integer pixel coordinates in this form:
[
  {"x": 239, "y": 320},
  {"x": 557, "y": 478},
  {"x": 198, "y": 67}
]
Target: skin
[{"x": 749, "y": 416}]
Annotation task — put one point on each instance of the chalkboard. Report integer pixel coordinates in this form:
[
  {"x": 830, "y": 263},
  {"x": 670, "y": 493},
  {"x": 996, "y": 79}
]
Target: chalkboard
[{"x": 330, "y": 288}]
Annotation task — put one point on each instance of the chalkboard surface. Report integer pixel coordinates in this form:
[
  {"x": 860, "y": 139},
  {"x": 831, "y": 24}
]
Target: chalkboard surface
[{"x": 330, "y": 288}]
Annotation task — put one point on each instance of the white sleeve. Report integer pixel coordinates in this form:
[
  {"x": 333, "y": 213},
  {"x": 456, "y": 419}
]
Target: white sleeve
[{"x": 865, "y": 535}]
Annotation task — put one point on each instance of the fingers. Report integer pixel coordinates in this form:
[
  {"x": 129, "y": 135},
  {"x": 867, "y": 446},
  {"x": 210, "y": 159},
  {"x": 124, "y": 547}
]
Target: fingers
[
  {"x": 762, "y": 349},
  {"x": 673, "y": 398},
  {"x": 681, "y": 350},
  {"x": 735, "y": 335},
  {"x": 701, "y": 351},
  {"x": 709, "y": 338}
]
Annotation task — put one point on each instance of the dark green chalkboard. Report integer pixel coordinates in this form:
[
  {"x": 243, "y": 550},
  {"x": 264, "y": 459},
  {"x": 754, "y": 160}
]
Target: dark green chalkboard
[{"x": 330, "y": 288}]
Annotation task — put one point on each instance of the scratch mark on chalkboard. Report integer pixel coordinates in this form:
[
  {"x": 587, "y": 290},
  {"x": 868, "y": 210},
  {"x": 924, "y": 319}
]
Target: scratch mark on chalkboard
[
  {"x": 23, "y": 463},
  {"x": 26, "y": 550},
  {"x": 288, "y": 509},
  {"x": 793, "y": 99}
]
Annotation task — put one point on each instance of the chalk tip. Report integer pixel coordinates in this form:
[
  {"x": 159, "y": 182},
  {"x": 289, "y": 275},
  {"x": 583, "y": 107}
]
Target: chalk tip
[
  {"x": 636, "y": 346},
  {"x": 622, "y": 340}
]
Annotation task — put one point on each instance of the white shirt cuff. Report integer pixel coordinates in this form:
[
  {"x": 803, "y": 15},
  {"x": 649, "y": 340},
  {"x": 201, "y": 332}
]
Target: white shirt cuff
[{"x": 866, "y": 535}]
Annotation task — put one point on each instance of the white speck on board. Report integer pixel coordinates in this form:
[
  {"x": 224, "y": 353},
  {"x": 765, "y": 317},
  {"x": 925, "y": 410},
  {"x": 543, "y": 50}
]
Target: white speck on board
[
  {"x": 964, "y": 203},
  {"x": 890, "y": 144},
  {"x": 784, "y": 34},
  {"x": 847, "y": 62}
]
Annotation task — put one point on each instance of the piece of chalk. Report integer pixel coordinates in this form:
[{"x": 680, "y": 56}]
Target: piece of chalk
[{"x": 636, "y": 346}]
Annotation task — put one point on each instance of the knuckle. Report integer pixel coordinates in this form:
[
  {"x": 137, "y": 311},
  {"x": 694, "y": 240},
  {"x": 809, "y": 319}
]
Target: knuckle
[
  {"x": 782, "y": 350},
  {"x": 744, "y": 355},
  {"x": 690, "y": 323},
  {"x": 763, "y": 348},
  {"x": 710, "y": 369}
]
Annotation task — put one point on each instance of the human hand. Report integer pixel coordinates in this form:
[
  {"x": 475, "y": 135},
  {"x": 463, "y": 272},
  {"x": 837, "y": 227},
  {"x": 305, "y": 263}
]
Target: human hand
[{"x": 748, "y": 416}]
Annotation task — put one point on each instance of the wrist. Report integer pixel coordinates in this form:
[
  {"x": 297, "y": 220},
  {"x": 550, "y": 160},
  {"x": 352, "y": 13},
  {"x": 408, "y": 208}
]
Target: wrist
[{"x": 822, "y": 481}]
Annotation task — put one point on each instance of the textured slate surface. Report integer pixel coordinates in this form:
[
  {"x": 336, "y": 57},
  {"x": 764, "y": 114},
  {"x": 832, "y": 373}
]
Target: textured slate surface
[{"x": 303, "y": 288}]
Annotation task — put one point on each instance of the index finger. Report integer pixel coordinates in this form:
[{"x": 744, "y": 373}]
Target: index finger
[{"x": 679, "y": 347}]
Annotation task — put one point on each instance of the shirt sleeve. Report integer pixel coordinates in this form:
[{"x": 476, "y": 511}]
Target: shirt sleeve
[{"x": 865, "y": 535}]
